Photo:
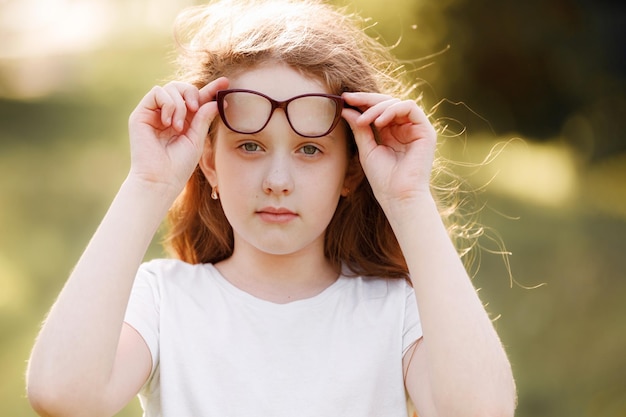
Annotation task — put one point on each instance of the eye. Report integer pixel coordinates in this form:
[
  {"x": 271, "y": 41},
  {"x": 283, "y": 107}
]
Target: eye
[
  {"x": 250, "y": 147},
  {"x": 309, "y": 149}
]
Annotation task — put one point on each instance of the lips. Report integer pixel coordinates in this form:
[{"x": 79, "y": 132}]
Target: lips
[{"x": 276, "y": 215}]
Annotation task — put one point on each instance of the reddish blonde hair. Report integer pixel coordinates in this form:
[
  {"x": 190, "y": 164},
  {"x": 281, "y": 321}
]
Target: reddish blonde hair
[{"x": 228, "y": 37}]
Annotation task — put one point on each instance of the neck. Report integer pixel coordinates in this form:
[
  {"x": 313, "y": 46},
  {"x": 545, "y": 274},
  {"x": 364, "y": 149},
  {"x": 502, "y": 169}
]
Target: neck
[{"x": 279, "y": 278}]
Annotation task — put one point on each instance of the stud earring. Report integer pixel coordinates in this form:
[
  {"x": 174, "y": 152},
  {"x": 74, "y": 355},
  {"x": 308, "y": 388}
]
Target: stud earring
[{"x": 214, "y": 194}]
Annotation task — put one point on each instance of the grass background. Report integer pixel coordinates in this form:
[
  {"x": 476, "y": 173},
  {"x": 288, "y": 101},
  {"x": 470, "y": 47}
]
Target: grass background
[{"x": 64, "y": 152}]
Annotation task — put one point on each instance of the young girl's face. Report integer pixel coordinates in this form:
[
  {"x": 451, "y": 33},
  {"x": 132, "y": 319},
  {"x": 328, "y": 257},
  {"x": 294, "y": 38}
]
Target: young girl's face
[{"x": 279, "y": 190}]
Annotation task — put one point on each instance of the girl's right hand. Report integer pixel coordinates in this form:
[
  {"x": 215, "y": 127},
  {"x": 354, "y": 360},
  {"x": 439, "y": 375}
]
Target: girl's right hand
[{"x": 168, "y": 130}]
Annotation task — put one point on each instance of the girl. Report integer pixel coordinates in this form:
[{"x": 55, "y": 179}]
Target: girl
[{"x": 296, "y": 224}]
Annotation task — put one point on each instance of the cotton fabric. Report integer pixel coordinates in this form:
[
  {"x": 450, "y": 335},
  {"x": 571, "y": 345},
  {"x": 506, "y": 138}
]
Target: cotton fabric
[{"x": 219, "y": 351}]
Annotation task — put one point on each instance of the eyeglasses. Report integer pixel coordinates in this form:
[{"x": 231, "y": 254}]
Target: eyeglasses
[{"x": 309, "y": 115}]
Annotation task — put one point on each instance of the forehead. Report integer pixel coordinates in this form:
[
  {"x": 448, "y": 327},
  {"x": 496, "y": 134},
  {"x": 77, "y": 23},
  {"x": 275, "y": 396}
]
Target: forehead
[{"x": 277, "y": 80}]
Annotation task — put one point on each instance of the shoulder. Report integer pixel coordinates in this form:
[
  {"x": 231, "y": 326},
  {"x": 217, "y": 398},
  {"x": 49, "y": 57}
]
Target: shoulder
[
  {"x": 378, "y": 301},
  {"x": 373, "y": 287},
  {"x": 168, "y": 272},
  {"x": 168, "y": 268},
  {"x": 165, "y": 266}
]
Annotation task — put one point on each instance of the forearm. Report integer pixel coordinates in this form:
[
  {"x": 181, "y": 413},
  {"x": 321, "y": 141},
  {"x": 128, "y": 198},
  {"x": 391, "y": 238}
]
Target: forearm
[
  {"x": 467, "y": 366},
  {"x": 76, "y": 347}
]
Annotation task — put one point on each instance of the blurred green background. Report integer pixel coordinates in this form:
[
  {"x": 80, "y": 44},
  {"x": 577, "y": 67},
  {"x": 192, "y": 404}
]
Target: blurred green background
[{"x": 545, "y": 78}]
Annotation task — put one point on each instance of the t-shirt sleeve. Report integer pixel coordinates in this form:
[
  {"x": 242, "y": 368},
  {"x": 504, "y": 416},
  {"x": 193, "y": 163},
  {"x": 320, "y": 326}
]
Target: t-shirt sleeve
[
  {"x": 412, "y": 325},
  {"x": 142, "y": 312}
]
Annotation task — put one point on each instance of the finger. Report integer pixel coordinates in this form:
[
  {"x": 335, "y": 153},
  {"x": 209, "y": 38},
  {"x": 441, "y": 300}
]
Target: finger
[
  {"x": 365, "y": 100},
  {"x": 409, "y": 117},
  {"x": 208, "y": 92},
  {"x": 370, "y": 104},
  {"x": 176, "y": 91},
  {"x": 188, "y": 92},
  {"x": 202, "y": 119},
  {"x": 191, "y": 97},
  {"x": 373, "y": 113},
  {"x": 401, "y": 112},
  {"x": 159, "y": 100}
]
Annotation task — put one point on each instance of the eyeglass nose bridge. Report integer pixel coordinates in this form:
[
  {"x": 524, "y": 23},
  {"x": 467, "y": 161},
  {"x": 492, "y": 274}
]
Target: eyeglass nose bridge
[{"x": 278, "y": 105}]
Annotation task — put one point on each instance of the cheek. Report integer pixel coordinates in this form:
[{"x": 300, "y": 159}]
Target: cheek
[
  {"x": 327, "y": 182},
  {"x": 237, "y": 181}
]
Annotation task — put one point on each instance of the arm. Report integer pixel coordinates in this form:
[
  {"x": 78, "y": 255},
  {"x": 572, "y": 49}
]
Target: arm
[
  {"x": 460, "y": 354},
  {"x": 86, "y": 361},
  {"x": 459, "y": 368}
]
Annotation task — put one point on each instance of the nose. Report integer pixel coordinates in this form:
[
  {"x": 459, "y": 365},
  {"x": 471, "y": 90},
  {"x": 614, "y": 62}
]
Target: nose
[{"x": 278, "y": 179}]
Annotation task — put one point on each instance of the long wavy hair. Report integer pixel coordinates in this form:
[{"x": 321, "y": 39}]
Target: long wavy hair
[{"x": 230, "y": 36}]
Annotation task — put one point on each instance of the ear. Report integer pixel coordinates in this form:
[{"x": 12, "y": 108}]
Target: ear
[
  {"x": 354, "y": 176},
  {"x": 207, "y": 164}
]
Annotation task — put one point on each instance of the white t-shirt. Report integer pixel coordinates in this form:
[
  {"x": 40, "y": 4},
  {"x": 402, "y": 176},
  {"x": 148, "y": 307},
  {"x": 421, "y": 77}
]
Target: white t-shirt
[{"x": 219, "y": 351}]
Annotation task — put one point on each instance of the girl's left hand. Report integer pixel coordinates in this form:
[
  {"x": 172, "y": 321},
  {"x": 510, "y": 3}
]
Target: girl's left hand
[{"x": 398, "y": 166}]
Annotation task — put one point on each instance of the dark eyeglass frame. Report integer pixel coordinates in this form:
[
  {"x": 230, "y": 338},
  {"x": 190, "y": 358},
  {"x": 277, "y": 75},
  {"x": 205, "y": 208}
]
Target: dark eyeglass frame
[{"x": 221, "y": 95}]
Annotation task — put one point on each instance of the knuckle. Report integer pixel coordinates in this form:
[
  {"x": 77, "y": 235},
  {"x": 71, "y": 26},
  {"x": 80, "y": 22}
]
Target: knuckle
[{"x": 157, "y": 89}]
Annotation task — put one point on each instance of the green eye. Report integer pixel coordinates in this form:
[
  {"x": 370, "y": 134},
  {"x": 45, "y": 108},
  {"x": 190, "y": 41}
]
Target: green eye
[
  {"x": 250, "y": 147},
  {"x": 309, "y": 150}
]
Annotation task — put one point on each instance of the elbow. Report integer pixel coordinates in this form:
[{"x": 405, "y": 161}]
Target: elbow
[
  {"x": 510, "y": 402},
  {"x": 480, "y": 407},
  {"x": 508, "y": 397},
  {"x": 504, "y": 407},
  {"x": 39, "y": 398},
  {"x": 497, "y": 400},
  {"x": 47, "y": 400},
  {"x": 43, "y": 401},
  {"x": 53, "y": 392},
  {"x": 44, "y": 393},
  {"x": 499, "y": 395},
  {"x": 501, "y": 403},
  {"x": 50, "y": 400}
]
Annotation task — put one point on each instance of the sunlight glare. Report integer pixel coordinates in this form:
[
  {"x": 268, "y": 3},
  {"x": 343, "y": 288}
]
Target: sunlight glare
[
  {"x": 15, "y": 286},
  {"x": 540, "y": 173},
  {"x": 537, "y": 172},
  {"x": 53, "y": 27}
]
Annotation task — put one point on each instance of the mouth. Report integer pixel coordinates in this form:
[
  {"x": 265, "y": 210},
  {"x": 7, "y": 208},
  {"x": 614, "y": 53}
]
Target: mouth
[{"x": 278, "y": 215}]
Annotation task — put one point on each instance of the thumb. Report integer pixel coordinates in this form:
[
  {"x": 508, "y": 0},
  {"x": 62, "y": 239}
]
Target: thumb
[{"x": 363, "y": 133}]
